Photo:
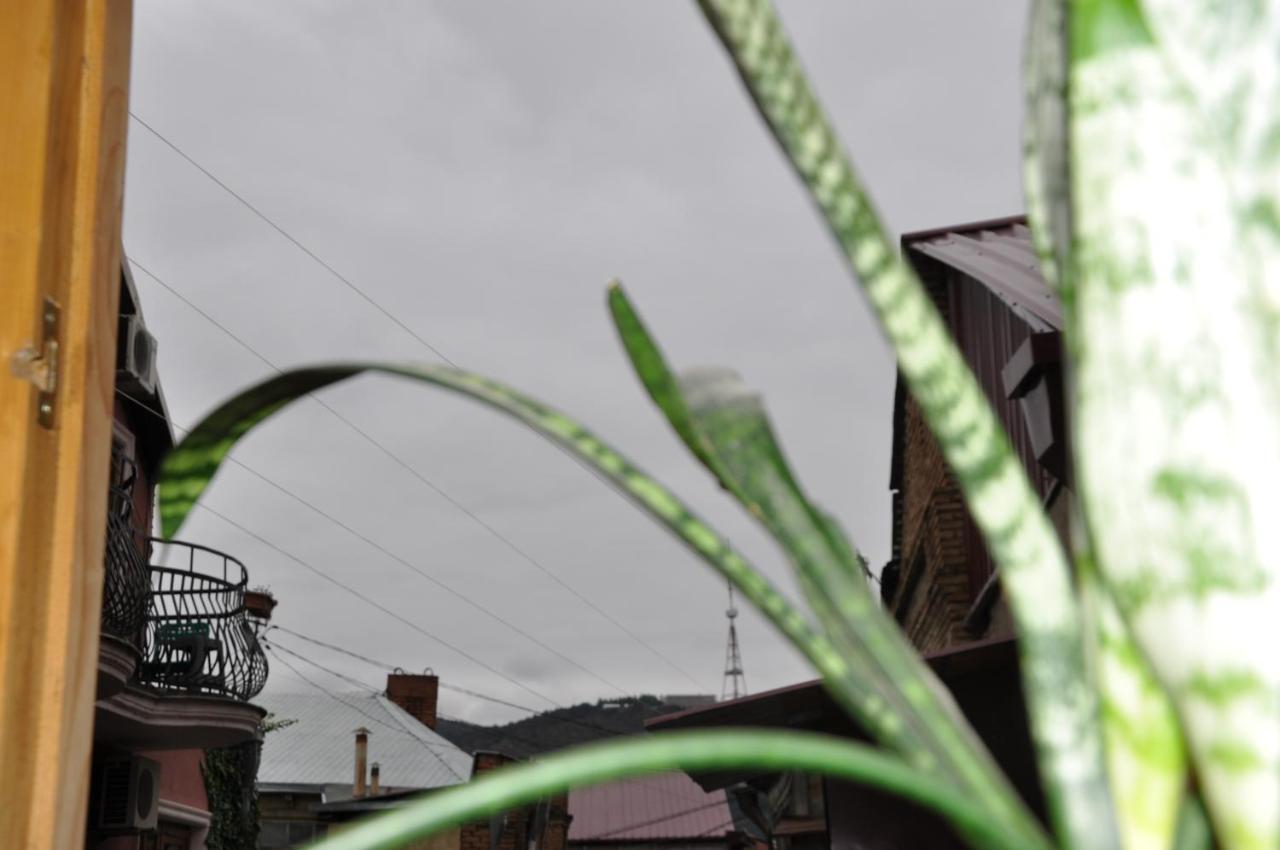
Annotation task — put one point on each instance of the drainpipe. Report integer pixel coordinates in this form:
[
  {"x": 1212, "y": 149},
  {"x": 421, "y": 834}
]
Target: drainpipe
[
  {"x": 375, "y": 786},
  {"x": 362, "y": 757}
]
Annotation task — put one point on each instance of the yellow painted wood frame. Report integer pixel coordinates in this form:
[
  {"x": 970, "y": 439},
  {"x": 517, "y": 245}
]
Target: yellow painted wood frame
[{"x": 64, "y": 92}]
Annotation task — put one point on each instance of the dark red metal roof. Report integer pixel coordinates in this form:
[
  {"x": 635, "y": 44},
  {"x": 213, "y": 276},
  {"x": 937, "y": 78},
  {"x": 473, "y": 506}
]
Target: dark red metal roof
[
  {"x": 661, "y": 807},
  {"x": 999, "y": 254}
]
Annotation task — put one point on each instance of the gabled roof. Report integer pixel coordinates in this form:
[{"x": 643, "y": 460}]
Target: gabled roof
[
  {"x": 661, "y": 807},
  {"x": 318, "y": 746}
]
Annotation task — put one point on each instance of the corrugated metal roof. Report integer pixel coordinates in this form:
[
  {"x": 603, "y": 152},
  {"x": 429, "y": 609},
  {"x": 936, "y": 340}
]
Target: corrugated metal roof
[
  {"x": 1002, "y": 257},
  {"x": 318, "y": 748},
  {"x": 663, "y": 806}
]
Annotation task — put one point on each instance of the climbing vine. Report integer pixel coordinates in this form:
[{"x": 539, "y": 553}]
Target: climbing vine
[{"x": 230, "y": 782}]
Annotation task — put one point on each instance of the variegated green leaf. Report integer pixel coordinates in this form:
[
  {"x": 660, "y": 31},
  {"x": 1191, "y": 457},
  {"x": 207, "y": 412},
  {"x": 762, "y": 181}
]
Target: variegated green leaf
[
  {"x": 1175, "y": 181},
  {"x": 1033, "y": 565},
  {"x": 1145, "y": 755},
  {"x": 1193, "y": 827},
  {"x": 771, "y": 751},
  {"x": 889, "y": 689},
  {"x": 191, "y": 466},
  {"x": 1045, "y": 174}
]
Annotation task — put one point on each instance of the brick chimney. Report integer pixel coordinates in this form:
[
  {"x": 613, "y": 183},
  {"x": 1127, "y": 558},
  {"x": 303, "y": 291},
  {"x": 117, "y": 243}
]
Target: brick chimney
[
  {"x": 375, "y": 780},
  {"x": 416, "y": 693}
]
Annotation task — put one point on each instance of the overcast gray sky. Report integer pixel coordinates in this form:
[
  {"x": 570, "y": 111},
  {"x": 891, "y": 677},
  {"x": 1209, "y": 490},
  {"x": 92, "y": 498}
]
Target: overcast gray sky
[{"x": 481, "y": 170}]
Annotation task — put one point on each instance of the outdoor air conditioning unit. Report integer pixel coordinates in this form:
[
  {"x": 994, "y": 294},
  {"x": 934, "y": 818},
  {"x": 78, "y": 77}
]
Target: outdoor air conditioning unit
[
  {"x": 129, "y": 794},
  {"x": 136, "y": 356}
]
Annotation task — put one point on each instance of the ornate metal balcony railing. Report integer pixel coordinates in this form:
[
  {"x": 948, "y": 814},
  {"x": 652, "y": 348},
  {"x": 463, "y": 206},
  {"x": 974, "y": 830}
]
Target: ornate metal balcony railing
[
  {"x": 127, "y": 583},
  {"x": 197, "y": 637}
]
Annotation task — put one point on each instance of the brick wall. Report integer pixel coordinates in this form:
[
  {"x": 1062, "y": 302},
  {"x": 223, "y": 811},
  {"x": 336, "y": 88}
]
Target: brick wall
[
  {"x": 416, "y": 693},
  {"x": 516, "y": 829},
  {"x": 934, "y": 591}
]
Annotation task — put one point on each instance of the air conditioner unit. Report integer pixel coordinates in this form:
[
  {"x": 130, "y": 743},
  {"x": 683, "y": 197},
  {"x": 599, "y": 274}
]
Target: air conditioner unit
[
  {"x": 136, "y": 356},
  {"x": 129, "y": 794}
]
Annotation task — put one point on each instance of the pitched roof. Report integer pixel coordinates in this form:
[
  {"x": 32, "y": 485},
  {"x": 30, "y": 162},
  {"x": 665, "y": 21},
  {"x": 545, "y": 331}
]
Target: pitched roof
[
  {"x": 318, "y": 747},
  {"x": 998, "y": 254},
  {"x": 664, "y": 806}
]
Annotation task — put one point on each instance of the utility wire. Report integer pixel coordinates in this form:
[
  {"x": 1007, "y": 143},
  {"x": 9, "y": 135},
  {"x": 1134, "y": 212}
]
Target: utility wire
[
  {"x": 401, "y": 730},
  {"x": 265, "y": 542},
  {"x": 365, "y": 296},
  {"x": 335, "y": 581},
  {"x": 391, "y": 669},
  {"x": 536, "y": 745},
  {"x": 495, "y": 533},
  {"x": 382, "y": 665},
  {"x": 303, "y": 248},
  {"x": 344, "y": 526}
]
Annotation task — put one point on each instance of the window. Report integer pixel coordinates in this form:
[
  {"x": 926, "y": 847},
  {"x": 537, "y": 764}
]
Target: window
[{"x": 281, "y": 834}]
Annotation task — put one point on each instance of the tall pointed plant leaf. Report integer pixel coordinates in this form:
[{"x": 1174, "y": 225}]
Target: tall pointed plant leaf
[
  {"x": 1175, "y": 314},
  {"x": 1045, "y": 174},
  {"x": 1146, "y": 758},
  {"x": 188, "y": 470},
  {"x": 889, "y": 689},
  {"x": 772, "y": 751},
  {"x": 1033, "y": 565}
]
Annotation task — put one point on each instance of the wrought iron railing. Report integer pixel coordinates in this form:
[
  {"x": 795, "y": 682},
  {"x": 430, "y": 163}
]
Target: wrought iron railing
[
  {"x": 127, "y": 582},
  {"x": 198, "y": 638}
]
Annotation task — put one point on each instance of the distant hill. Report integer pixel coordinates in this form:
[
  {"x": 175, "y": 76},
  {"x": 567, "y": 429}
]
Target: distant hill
[{"x": 564, "y": 727}]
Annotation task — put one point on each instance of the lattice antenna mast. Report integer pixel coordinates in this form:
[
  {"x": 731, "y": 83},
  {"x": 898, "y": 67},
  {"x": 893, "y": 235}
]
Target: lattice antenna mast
[{"x": 735, "y": 681}]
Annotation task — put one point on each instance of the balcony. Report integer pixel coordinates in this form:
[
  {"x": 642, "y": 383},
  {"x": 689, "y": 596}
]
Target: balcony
[
  {"x": 197, "y": 638},
  {"x": 127, "y": 580}
]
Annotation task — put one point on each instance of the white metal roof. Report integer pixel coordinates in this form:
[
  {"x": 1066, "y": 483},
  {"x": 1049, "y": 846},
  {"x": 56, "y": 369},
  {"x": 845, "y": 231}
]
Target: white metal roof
[{"x": 318, "y": 747}]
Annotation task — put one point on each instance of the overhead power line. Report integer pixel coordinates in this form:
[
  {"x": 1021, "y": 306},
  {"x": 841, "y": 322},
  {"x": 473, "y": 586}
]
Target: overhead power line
[
  {"x": 402, "y": 732},
  {"x": 335, "y": 581},
  {"x": 337, "y": 275},
  {"x": 384, "y": 609},
  {"x": 382, "y": 665},
  {"x": 348, "y": 528},
  {"x": 537, "y": 745},
  {"x": 491, "y": 530}
]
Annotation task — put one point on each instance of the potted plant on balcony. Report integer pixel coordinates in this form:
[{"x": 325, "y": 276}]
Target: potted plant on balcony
[{"x": 259, "y": 603}]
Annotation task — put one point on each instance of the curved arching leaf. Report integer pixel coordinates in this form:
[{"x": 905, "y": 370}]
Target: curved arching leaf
[
  {"x": 1034, "y": 571},
  {"x": 1175, "y": 325},
  {"x": 889, "y": 689},
  {"x": 524, "y": 783},
  {"x": 189, "y": 468}
]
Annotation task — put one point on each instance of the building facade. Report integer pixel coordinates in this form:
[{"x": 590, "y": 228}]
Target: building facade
[
  {"x": 984, "y": 279},
  {"x": 179, "y": 658}
]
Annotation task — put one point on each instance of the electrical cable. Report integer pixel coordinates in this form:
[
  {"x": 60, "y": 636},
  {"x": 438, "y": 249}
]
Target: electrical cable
[
  {"x": 401, "y": 730},
  {"x": 493, "y": 532}
]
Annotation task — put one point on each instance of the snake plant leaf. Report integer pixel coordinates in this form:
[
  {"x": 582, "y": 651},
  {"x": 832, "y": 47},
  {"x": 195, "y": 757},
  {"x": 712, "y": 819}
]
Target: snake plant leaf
[
  {"x": 1045, "y": 174},
  {"x": 1034, "y": 569},
  {"x": 188, "y": 470},
  {"x": 1175, "y": 181},
  {"x": 1146, "y": 758},
  {"x": 1193, "y": 827},
  {"x": 772, "y": 751},
  {"x": 894, "y": 695}
]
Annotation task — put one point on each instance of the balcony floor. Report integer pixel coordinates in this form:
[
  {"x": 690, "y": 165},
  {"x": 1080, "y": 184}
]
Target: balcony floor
[{"x": 135, "y": 719}]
